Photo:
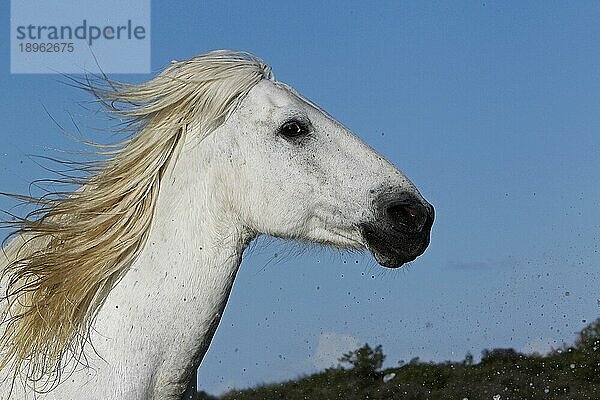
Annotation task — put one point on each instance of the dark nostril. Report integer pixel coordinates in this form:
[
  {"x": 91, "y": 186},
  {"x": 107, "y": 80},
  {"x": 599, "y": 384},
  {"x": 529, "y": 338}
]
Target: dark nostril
[{"x": 411, "y": 216}]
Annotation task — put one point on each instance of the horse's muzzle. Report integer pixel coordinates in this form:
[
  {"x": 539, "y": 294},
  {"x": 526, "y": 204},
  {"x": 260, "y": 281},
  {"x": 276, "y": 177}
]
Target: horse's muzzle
[{"x": 401, "y": 230}]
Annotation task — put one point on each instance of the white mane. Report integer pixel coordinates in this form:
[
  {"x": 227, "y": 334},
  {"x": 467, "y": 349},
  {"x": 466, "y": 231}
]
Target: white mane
[{"x": 69, "y": 253}]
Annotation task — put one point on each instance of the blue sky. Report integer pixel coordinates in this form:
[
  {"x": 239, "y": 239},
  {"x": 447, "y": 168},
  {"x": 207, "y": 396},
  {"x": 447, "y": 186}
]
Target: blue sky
[{"x": 492, "y": 109}]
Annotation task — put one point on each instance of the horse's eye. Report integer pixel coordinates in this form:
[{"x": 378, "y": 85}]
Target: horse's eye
[{"x": 292, "y": 129}]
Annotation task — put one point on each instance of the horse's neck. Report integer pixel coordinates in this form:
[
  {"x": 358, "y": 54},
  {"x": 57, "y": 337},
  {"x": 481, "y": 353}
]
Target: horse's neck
[
  {"x": 155, "y": 326},
  {"x": 158, "y": 321}
]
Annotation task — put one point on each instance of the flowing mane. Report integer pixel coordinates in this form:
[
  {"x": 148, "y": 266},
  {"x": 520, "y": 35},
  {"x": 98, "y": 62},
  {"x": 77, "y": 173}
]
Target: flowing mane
[{"x": 74, "y": 247}]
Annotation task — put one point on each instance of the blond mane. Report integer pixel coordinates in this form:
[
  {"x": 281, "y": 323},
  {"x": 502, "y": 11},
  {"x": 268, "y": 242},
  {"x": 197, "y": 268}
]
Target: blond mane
[{"x": 73, "y": 249}]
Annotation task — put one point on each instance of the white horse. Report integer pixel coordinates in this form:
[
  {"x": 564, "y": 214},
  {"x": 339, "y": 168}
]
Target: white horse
[{"x": 114, "y": 291}]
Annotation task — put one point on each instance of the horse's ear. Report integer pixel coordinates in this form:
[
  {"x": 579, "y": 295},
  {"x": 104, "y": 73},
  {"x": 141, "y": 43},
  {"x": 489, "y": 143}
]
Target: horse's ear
[{"x": 270, "y": 75}]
